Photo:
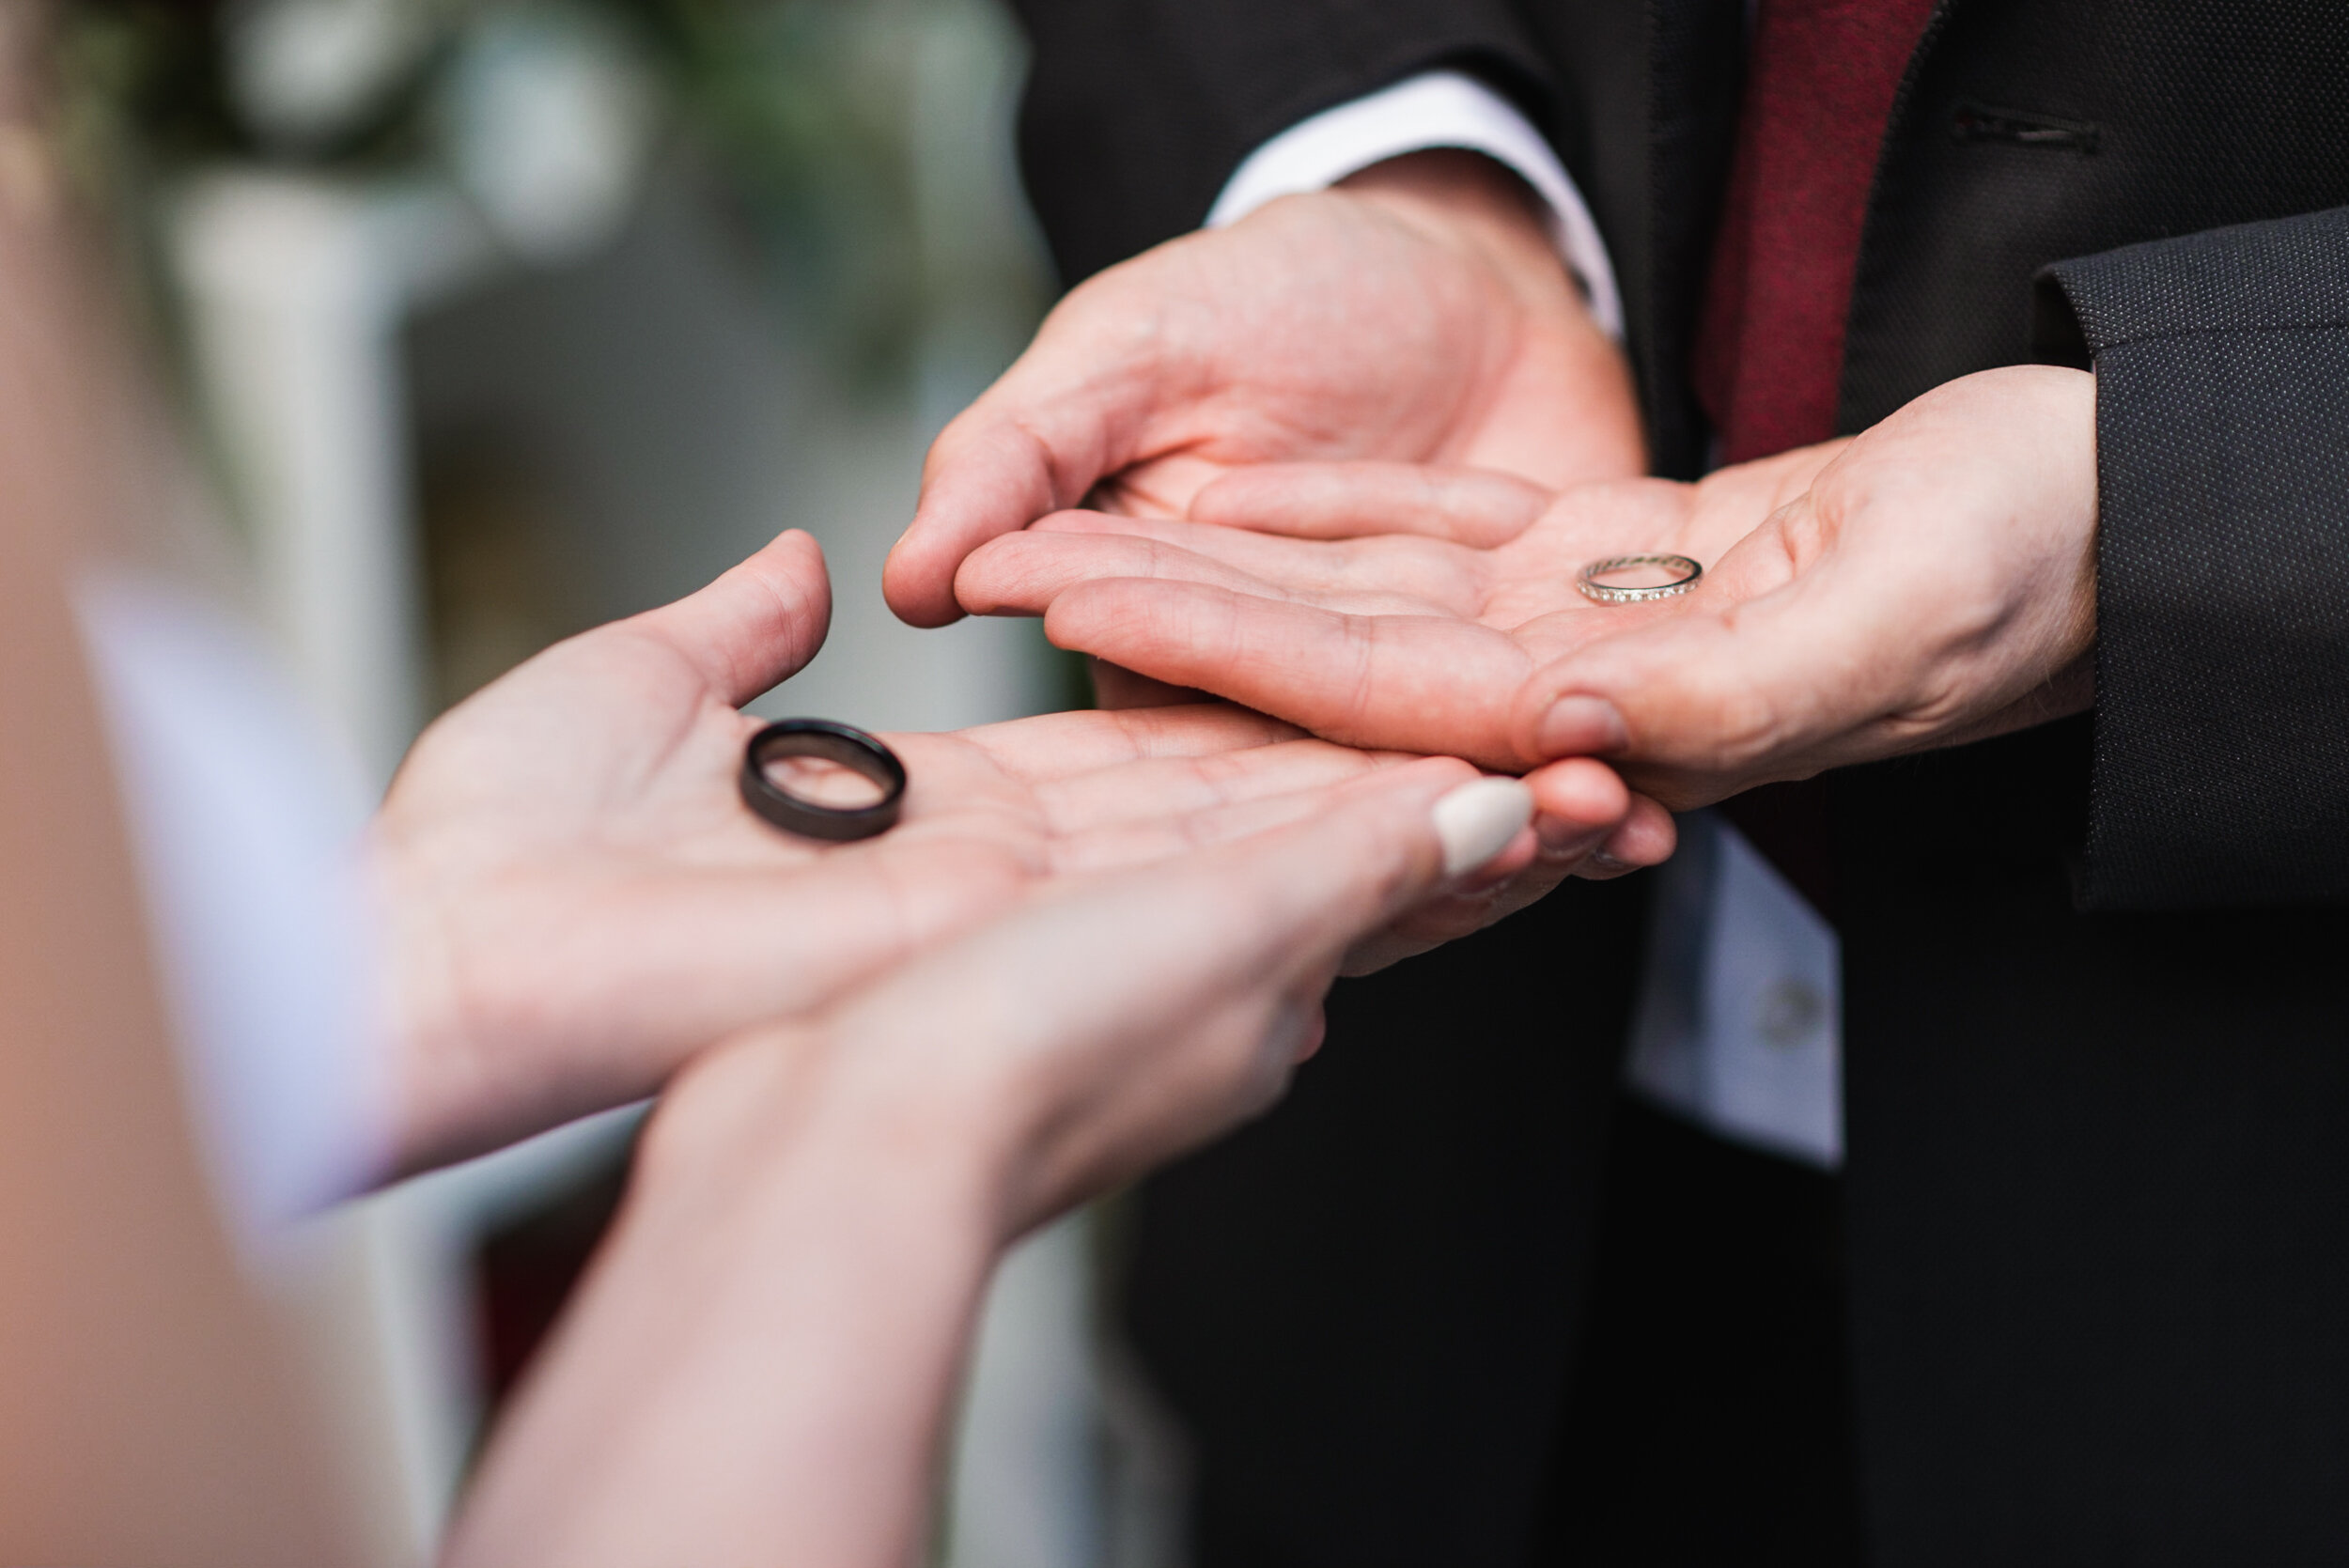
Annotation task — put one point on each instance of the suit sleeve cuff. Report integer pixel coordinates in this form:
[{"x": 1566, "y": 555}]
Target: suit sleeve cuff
[
  {"x": 2222, "y": 562},
  {"x": 1435, "y": 109}
]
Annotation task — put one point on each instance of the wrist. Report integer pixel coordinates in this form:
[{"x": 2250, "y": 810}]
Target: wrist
[
  {"x": 419, "y": 1016},
  {"x": 1465, "y": 197},
  {"x": 770, "y": 1342},
  {"x": 808, "y": 1103}
]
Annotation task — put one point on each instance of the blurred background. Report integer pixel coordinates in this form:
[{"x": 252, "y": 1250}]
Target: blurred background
[{"x": 492, "y": 319}]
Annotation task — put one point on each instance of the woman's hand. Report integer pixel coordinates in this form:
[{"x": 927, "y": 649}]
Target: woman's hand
[
  {"x": 575, "y": 898},
  {"x": 763, "y": 1360}
]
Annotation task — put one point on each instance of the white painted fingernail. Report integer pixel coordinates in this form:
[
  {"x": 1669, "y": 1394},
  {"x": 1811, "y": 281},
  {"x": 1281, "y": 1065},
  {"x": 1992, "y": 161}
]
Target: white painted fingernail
[{"x": 1476, "y": 821}]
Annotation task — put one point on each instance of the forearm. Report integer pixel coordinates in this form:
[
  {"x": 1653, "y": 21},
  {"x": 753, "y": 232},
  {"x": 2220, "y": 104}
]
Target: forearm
[
  {"x": 762, "y": 1360},
  {"x": 764, "y": 1355}
]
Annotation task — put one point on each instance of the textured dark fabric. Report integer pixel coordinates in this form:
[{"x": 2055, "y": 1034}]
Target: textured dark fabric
[
  {"x": 2204, "y": 113},
  {"x": 2222, "y": 564},
  {"x": 2095, "y": 1195},
  {"x": 1709, "y": 1419},
  {"x": 1138, "y": 111},
  {"x": 2099, "y": 1159},
  {"x": 1360, "y": 1307},
  {"x": 1794, "y": 828}
]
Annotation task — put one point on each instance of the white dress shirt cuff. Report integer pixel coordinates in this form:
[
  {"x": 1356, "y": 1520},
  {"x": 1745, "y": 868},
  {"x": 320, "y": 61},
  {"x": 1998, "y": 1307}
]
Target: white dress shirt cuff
[{"x": 1435, "y": 109}]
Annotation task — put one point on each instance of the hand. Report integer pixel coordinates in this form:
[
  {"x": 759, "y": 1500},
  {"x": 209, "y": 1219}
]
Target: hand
[
  {"x": 1417, "y": 313},
  {"x": 768, "y": 1346},
  {"x": 1934, "y": 585},
  {"x": 573, "y": 899},
  {"x": 1378, "y": 604},
  {"x": 1926, "y": 583}
]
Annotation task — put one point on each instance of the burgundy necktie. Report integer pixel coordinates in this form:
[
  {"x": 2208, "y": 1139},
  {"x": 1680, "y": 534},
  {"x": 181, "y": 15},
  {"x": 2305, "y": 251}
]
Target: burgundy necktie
[
  {"x": 1820, "y": 80},
  {"x": 1819, "y": 86}
]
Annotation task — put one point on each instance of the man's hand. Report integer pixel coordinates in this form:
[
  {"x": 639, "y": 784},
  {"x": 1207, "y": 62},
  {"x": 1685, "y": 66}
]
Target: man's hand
[
  {"x": 1934, "y": 585},
  {"x": 574, "y": 899},
  {"x": 1415, "y": 637},
  {"x": 1928, "y": 582},
  {"x": 1415, "y": 314}
]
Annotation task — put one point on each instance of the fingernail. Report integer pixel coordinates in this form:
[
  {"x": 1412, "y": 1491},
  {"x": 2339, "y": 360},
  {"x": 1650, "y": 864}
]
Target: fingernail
[
  {"x": 1581, "y": 725},
  {"x": 1476, "y": 821}
]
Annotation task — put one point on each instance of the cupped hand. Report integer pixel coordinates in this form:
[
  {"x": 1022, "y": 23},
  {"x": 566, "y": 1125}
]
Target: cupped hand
[
  {"x": 1116, "y": 1019},
  {"x": 573, "y": 898},
  {"x": 768, "y": 1347},
  {"x": 1933, "y": 584},
  {"x": 1377, "y": 604},
  {"x": 1928, "y": 582},
  {"x": 1418, "y": 313}
]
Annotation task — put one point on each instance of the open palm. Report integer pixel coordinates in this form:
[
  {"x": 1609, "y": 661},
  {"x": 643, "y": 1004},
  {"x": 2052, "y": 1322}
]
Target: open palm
[
  {"x": 1419, "y": 313},
  {"x": 1382, "y": 605},
  {"x": 1927, "y": 583},
  {"x": 575, "y": 899}
]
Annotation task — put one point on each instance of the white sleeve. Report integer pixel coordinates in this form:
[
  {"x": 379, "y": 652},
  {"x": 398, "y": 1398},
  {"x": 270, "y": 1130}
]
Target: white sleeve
[
  {"x": 1437, "y": 109},
  {"x": 244, "y": 833}
]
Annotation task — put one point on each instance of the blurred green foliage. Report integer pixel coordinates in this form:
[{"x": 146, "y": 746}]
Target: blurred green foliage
[{"x": 801, "y": 106}]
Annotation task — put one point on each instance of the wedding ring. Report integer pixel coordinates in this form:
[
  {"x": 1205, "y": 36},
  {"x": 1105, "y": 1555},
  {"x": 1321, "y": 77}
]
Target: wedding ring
[
  {"x": 845, "y": 744},
  {"x": 1588, "y": 578}
]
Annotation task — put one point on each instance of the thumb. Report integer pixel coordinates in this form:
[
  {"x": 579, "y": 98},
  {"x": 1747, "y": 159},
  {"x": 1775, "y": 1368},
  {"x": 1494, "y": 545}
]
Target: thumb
[{"x": 758, "y": 623}]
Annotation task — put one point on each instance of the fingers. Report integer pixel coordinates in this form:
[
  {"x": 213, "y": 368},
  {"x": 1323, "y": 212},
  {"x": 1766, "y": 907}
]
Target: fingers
[
  {"x": 1411, "y": 683},
  {"x": 1582, "y": 808},
  {"x": 758, "y": 623},
  {"x": 1347, "y": 501},
  {"x": 1127, "y": 956},
  {"x": 1647, "y": 836},
  {"x": 1021, "y": 574},
  {"x": 1116, "y": 687},
  {"x": 1107, "y": 955},
  {"x": 1394, "y": 572},
  {"x": 987, "y": 473},
  {"x": 1757, "y": 488},
  {"x": 1126, "y": 1017},
  {"x": 1589, "y": 815},
  {"x": 1067, "y": 414}
]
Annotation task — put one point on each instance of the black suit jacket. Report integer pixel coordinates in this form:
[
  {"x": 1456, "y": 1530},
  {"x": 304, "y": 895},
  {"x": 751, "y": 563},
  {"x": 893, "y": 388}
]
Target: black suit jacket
[{"x": 2096, "y": 1013}]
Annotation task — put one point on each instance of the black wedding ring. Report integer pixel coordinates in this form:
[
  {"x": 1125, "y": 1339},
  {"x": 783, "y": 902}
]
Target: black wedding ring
[{"x": 845, "y": 744}]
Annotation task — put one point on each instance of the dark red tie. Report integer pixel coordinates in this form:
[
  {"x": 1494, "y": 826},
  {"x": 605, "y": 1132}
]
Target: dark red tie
[{"x": 1820, "y": 80}]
